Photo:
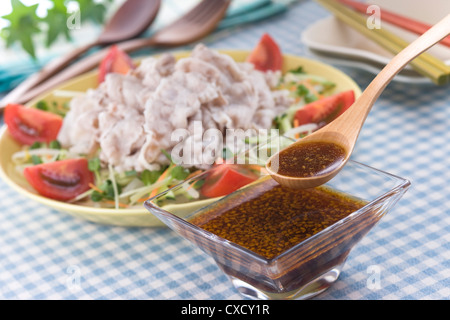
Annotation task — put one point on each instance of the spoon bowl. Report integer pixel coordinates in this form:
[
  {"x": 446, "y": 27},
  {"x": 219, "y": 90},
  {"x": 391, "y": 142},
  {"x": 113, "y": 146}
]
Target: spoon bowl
[
  {"x": 344, "y": 130},
  {"x": 129, "y": 21},
  {"x": 329, "y": 137}
]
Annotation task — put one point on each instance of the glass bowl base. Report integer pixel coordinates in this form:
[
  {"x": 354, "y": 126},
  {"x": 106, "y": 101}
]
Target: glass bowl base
[{"x": 309, "y": 290}]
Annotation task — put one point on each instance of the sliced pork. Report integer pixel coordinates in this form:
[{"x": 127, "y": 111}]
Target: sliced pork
[{"x": 130, "y": 118}]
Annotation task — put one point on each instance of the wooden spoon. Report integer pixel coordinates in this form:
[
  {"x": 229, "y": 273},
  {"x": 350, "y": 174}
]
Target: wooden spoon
[
  {"x": 129, "y": 21},
  {"x": 344, "y": 130}
]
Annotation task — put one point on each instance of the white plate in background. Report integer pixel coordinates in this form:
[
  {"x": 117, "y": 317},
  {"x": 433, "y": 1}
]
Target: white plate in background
[{"x": 332, "y": 40}]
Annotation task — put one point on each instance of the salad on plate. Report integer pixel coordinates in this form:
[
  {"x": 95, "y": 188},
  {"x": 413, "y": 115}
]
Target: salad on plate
[{"x": 113, "y": 146}]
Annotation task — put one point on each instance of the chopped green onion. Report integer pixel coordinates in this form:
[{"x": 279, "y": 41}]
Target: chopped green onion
[{"x": 114, "y": 185}]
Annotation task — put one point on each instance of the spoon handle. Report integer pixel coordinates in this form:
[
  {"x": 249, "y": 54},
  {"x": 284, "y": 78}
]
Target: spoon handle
[
  {"x": 49, "y": 70},
  {"x": 352, "y": 120},
  {"x": 86, "y": 64}
]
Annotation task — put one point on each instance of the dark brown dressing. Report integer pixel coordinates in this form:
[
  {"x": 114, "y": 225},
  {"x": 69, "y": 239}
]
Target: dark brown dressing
[
  {"x": 268, "y": 218},
  {"x": 309, "y": 159}
]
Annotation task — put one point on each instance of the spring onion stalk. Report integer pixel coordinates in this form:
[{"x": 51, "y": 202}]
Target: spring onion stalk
[
  {"x": 68, "y": 93},
  {"x": 306, "y": 128},
  {"x": 20, "y": 167},
  {"x": 133, "y": 185},
  {"x": 24, "y": 155},
  {"x": 190, "y": 190},
  {"x": 296, "y": 77},
  {"x": 82, "y": 195},
  {"x": 145, "y": 191},
  {"x": 114, "y": 185},
  {"x": 140, "y": 192}
]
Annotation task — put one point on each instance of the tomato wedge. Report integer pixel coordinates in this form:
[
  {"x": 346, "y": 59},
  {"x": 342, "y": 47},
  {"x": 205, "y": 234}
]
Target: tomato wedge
[
  {"x": 29, "y": 125},
  {"x": 326, "y": 109},
  {"x": 115, "y": 61},
  {"x": 266, "y": 55},
  {"x": 60, "y": 180},
  {"x": 226, "y": 178}
]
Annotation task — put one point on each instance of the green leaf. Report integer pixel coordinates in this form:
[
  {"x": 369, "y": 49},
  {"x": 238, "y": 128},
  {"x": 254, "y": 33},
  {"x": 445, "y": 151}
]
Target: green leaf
[
  {"x": 310, "y": 97},
  {"x": 94, "y": 164},
  {"x": 108, "y": 189},
  {"x": 24, "y": 23},
  {"x": 96, "y": 196},
  {"x": 179, "y": 173},
  {"x": 56, "y": 20},
  {"x": 36, "y": 145},
  {"x": 130, "y": 173},
  {"x": 302, "y": 90},
  {"x": 91, "y": 10},
  {"x": 42, "y": 105},
  {"x": 149, "y": 177},
  {"x": 36, "y": 159},
  {"x": 54, "y": 144},
  {"x": 198, "y": 184},
  {"x": 227, "y": 154},
  {"x": 298, "y": 70}
]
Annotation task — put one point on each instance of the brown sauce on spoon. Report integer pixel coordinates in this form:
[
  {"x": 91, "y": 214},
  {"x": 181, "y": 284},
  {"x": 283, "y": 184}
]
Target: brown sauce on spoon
[{"x": 309, "y": 159}]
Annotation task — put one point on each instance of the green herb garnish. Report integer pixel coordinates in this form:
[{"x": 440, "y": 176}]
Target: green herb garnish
[
  {"x": 54, "y": 145},
  {"x": 179, "y": 173},
  {"x": 42, "y": 105},
  {"x": 310, "y": 97},
  {"x": 36, "y": 145},
  {"x": 26, "y": 27},
  {"x": 149, "y": 177},
  {"x": 36, "y": 159},
  {"x": 107, "y": 189},
  {"x": 302, "y": 90},
  {"x": 94, "y": 164},
  {"x": 298, "y": 70}
]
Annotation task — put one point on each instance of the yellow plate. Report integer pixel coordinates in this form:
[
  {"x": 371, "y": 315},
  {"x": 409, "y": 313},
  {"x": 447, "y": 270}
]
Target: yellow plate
[{"x": 137, "y": 216}]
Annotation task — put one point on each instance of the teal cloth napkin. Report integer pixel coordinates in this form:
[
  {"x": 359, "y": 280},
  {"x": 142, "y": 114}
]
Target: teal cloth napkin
[{"x": 240, "y": 12}]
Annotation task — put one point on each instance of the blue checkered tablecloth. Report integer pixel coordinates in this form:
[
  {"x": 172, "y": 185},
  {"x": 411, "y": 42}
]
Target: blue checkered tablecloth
[{"x": 45, "y": 254}]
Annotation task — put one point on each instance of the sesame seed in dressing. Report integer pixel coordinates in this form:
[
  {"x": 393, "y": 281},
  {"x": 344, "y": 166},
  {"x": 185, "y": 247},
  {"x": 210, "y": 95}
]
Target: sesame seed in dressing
[
  {"x": 310, "y": 159},
  {"x": 268, "y": 218}
]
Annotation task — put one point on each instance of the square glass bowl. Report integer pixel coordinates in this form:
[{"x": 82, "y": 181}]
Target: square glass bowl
[{"x": 309, "y": 267}]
